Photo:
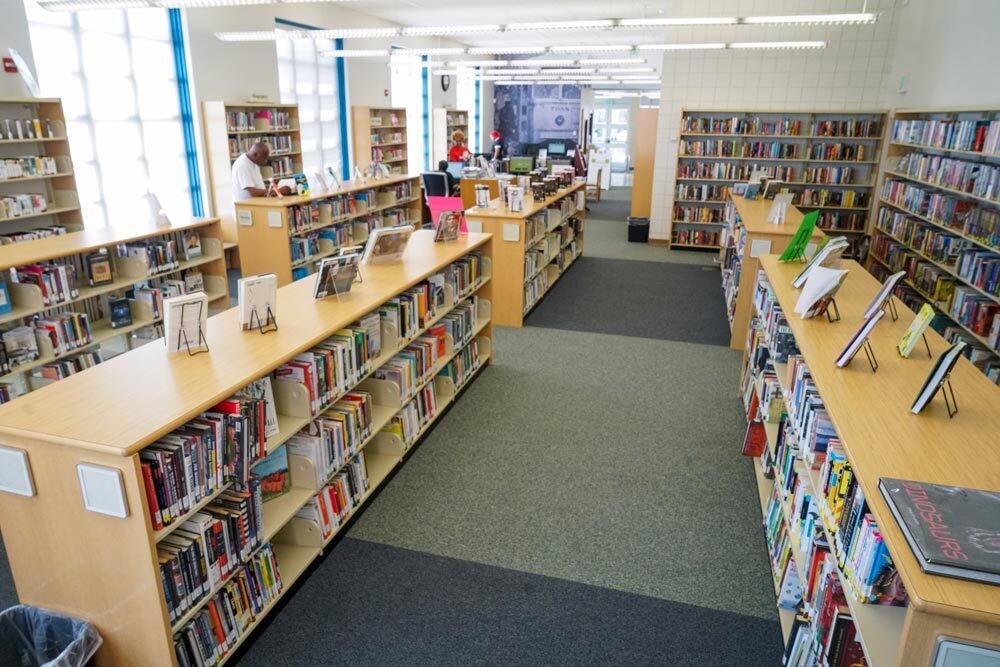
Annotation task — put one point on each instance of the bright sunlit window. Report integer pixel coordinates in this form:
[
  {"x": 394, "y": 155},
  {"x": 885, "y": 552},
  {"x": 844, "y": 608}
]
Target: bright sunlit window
[
  {"x": 407, "y": 84},
  {"x": 114, "y": 70},
  {"x": 309, "y": 80}
]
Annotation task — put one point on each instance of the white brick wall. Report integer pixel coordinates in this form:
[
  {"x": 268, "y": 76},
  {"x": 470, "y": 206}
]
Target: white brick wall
[{"x": 851, "y": 74}]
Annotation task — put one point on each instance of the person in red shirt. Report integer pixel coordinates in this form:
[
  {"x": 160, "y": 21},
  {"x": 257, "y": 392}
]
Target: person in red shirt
[{"x": 458, "y": 151}]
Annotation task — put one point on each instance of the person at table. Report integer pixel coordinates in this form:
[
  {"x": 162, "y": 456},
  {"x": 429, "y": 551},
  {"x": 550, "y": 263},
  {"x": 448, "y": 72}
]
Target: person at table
[
  {"x": 452, "y": 181},
  {"x": 458, "y": 152},
  {"x": 247, "y": 180},
  {"x": 498, "y": 148}
]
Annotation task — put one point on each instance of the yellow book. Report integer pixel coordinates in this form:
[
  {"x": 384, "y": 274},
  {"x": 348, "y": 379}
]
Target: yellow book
[{"x": 915, "y": 330}]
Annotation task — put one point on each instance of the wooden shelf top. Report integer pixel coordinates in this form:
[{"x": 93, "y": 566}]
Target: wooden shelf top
[
  {"x": 499, "y": 209},
  {"x": 30, "y": 100},
  {"x": 753, "y": 216},
  {"x": 28, "y": 252},
  {"x": 296, "y": 200},
  {"x": 871, "y": 412},
  {"x": 144, "y": 394}
]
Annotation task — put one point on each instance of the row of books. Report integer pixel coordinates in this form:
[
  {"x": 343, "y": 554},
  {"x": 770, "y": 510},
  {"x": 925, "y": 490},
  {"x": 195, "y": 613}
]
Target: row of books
[
  {"x": 216, "y": 449},
  {"x": 336, "y": 499},
  {"x": 63, "y": 368},
  {"x": 219, "y": 626},
  {"x": 208, "y": 548},
  {"x": 782, "y": 127},
  {"x": 781, "y": 547},
  {"x": 732, "y": 171},
  {"x": 962, "y": 215},
  {"x": 712, "y": 214},
  {"x": 977, "y": 136},
  {"x": 419, "y": 411},
  {"x": 387, "y": 138},
  {"x": 65, "y": 331},
  {"x": 830, "y": 176},
  {"x": 278, "y": 143},
  {"x": 464, "y": 365},
  {"x": 335, "y": 435},
  {"x": 378, "y": 119},
  {"x": 980, "y": 268},
  {"x": 859, "y": 127},
  {"x": 304, "y": 217},
  {"x": 697, "y": 237},
  {"x": 923, "y": 237},
  {"x": 840, "y": 220},
  {"x": 824, "y": 197},
  {"x": 415, "y": 364},
  {"x": 306, "y": 246},
  {"x": 981, "y": 180},
  {"x": 534, "y": 289},
  {"x": 703, "y": 192},
  {"x": 978, "y": 313},
  {"x": 14, "y": 129},
  {"x": 390, "y": 155},
  {"x": 839, "y": 152},
  {"x": 242, "y": 121},
  {"x": 281, "y": 166},
  {"x": 31, "y": 235},
  {"x": 775, "y": 333},
  {"x": 27, "y": 165},
  {"x": 745, "y": 149},
  {"x": 19, "y": 205}
]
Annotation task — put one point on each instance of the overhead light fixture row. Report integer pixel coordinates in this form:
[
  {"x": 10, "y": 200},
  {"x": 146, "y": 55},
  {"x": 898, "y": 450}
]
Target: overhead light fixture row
[{"x": 368, "y": 53}]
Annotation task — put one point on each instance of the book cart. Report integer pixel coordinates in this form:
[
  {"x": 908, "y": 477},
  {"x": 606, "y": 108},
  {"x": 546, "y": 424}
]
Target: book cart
[
  {"x": 104, "y": 568},
  {"x": 531, "y": 248},
  {"x": 27, "y": 299},
  {"x": 829, "y": 167},
  {"x": 746, "y": 236},
  {"x": 881, "y": 438},
  {"x": 288, "y": 236},
  {"x": 938, "y": 217}
]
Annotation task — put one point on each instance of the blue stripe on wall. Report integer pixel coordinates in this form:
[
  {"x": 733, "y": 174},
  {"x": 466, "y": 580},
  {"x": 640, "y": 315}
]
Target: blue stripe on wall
[
  {"x": 187, "y": 115},
  {"x": 425, "y": 74},
  {"x": 345, "y": 160},
  {"x": 479, "y": 130}
]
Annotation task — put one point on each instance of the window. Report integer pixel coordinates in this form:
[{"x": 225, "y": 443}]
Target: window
[
  {"x": 310, "y": 80},
  {"x": 409, "y": 92},
  {"x": 465, "y": 100},
  {"x": 115, "y": 73}
]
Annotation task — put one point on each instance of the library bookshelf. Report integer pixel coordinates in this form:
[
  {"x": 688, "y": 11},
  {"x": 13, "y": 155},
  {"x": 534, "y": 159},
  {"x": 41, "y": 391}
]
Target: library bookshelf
[
  {"x": 379, "y": 135},
  {"x": 938, "y": 218},
  {"x": 56, "y": 184},
  {"x": 230, "y": 128},
  {"x": 531, "y": 248},
  {"x": 27, "y": 299},
  {"x": 746, "y": 236},
  {"x": 104, "y": 569},
  {"x": 288, "y": 236},
  {"x": 445, "y": 122},
  {"x": 881, "y": 438},
  {"x": 828, "y": 167}
]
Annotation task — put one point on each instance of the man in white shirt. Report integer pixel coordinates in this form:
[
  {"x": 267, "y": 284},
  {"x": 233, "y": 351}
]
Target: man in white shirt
[{"x": 247, "y": 179}]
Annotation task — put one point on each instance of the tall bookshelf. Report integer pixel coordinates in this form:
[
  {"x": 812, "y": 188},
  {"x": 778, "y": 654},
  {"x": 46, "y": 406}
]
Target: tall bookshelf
[
  {"x": 939, "y": 220},
  {"x": 532, "y": 249},
  {"x": 230, "y": 129},
  {"x": 873, "y": 423},
  {"x": 446, "y": 121},
  {"x": 129, "y": 273},
  {"x": 105, "y": 569},
  {"x": 56, "y": 203},
  {"x": 828, "y": 159},
  {"x": 380, "y": 136},
  {"x": 288, "y": 236}
]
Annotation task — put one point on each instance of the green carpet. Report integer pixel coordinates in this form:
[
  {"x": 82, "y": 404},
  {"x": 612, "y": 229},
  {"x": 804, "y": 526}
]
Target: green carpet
[{"x": 605, "y": 460}]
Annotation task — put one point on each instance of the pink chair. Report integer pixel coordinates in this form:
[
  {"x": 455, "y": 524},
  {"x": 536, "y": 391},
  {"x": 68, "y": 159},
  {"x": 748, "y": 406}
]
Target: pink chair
[{"x": 439, "y": 205}]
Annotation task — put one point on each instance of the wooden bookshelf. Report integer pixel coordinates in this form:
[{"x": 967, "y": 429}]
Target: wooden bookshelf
[
  {"x": 871, "y": 414},
  {"x": 844, "y": 206},
  {"x": 226, "y": 141},
  {"x": 545, "y": 236},
  {"x": 379, "y": 135},
  {"x": 746, "y": 235},
  {"x": 268, "y": 229},
  {"x": 914, "y": 237},
  {"x": 104, "y": 569},
  {"x": 27, "y": 301},
  {"x": 445, "y": 121},
  {"x": 62, "y": 204}
]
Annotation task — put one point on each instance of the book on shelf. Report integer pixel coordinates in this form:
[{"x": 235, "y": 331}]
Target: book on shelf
[
  {"x": 121, "y": 313},
  {"x": 939, "y": 373},
  {"x": 273, "y": 475},
  {"x": 952, "y": 531}
]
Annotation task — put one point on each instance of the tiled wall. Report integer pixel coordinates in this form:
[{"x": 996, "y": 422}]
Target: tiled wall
[{"x": 852, "y": 73}]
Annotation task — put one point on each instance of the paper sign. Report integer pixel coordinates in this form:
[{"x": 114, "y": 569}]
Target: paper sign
[
  {"x": 245, "y": 218},
  {"x": 474, "y": 227},
  {"x": 759, "y": 247},
  {"x": 512, "y": 231},
  {"x": 274, "y": 219}
]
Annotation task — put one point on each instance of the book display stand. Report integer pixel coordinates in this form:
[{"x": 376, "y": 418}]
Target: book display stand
[
  {"x": 532, "y": 248},
  {"x": 201, "y": 344},
  {"x": 880, "y": 437},
  {"x": 264, "y": 325},
  {"x": 106, "y": 569}
]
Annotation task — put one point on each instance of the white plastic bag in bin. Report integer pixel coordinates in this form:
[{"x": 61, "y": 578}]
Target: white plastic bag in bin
[{"x": 32, "y": 637}]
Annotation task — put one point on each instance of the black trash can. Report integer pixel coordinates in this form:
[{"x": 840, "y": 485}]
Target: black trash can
[
  {"x": 32, "y": 637},
  {"x": 638, "y": 230}
]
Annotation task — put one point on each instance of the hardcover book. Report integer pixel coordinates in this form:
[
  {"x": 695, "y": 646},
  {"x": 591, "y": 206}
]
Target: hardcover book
[
  {"x": 99, "y": 268},
  {"x": 952, "y": 531}
]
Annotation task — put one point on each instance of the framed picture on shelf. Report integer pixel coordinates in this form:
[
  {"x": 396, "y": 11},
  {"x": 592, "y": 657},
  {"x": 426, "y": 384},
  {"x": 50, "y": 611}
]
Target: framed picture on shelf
[{"x": 387, "y": 244}]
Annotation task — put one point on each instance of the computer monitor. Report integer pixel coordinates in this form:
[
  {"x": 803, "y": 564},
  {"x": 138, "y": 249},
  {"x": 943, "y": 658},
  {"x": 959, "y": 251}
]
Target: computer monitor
[
  {"x": 521, "y": 165},
  {"x": 557, "y": 148},
  {"x": 455, "y": 169}
]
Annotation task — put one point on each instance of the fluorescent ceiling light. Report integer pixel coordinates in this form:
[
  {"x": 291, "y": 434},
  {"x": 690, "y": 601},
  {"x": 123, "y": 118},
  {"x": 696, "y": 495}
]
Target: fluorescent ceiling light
[
  {"x": 579, "y": 70},
  {"x": 559, "y": 25},
  {"x": 681, "y": 47},
  {"x": 509, "y": 72},
  {"x": 450, "y": 72},
  {"x": 813, "y": 19},
  {"x": 624, "y": 70},
  {"x": 449, "y": 29},
  {"x": 541, "y": 62},
  {"x": 656, "y": 22},
  {"x": 356, "y": 53},
  {"x": 777, "y": 45},
  {"x": 449, "y": 51},
  {"x": 593, "y": 48},
  {"x": 611, "y": 61},
  {"x": 477, "y": 63},
  {"x": 504, "y": 50}
]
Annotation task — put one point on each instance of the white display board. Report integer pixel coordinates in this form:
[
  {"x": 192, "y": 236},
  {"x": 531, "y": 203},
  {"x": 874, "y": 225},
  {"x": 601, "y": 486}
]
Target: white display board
[{"x": 599, "y": 159}]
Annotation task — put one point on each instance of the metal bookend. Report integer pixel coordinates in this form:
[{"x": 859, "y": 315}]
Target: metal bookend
[
  {"x": 870, "y": 353},
  {"x": 201, "y": 342},
  {"x": 832, "y": 304},
  {"x": 950, "y": 403},
  {"x": 267, "y": 325}
]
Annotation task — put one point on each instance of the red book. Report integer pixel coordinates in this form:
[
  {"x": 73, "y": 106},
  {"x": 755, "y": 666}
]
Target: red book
[
  {"x": 755, "y": 440},
  {"x": 852, "y": 655},
  {"x": 154, "y": 505},
  {"x": 220, "y": 634}
]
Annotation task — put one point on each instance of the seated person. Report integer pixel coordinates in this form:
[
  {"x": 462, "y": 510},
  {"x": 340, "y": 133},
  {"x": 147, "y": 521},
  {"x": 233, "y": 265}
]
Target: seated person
[
  {"x": 458, "y": 152},
  {"x": 452, "y": 182}
]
